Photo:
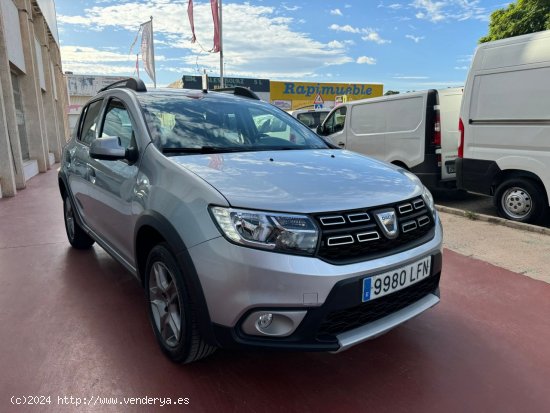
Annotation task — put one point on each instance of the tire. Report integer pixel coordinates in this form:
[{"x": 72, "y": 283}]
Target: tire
[
  {"x": 76, "y": 235},
  {"x": 521, "y": 200},
  {"x": 171, "y": 311}
]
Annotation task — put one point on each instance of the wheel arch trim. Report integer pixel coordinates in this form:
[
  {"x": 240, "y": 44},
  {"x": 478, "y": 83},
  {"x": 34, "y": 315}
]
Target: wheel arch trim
[
  {"x": 522, "y": 167},
  {"x": 167, "y": 231}
]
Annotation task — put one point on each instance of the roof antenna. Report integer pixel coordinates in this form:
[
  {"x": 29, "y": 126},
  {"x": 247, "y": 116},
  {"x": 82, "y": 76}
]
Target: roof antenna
[{"x": 205, "y": 82}]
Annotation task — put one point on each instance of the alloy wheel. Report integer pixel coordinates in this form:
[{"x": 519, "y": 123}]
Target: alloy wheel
[
  {"x": 165, "y": 303},
  {"x": 69, "y": 218}
]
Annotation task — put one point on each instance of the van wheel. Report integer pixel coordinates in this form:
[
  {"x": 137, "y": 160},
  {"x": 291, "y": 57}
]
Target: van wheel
[
  {"x": 76, "y": 235},
  {"x": 171, "y": 311},
  {"x": 521, "y": 200}
]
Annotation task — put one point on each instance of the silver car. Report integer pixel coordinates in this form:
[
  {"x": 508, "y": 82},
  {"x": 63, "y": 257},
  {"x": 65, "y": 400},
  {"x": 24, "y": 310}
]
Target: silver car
[{"x": 244, "y": 227}]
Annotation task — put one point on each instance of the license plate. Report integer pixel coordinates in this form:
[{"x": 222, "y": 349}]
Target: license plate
[
  {"x": 395, "y": 280},
  {"x": 451, "y": 169}
]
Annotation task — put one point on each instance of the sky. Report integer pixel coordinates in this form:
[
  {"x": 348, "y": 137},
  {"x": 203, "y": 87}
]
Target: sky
[{"x": 405, "y": 45}]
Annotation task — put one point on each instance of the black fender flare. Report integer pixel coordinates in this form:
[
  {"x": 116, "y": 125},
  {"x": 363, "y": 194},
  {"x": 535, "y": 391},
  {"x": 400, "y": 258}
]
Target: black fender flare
[{"x": 163, "y": 226}]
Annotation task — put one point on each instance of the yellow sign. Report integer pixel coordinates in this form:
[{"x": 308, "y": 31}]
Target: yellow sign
[{"x": 306, "y": 91}]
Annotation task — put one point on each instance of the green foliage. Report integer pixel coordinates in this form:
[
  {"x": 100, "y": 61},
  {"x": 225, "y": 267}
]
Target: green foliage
[{"x": 522, "y": 17}]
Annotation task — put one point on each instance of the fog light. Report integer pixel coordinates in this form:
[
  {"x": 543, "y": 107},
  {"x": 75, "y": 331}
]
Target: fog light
[
  {"x": 274, "y": 324},
  {"x": 265, "y": 320}
]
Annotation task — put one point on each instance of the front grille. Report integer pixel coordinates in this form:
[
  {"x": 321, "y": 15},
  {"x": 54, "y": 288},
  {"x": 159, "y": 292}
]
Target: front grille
[
  {"x": 348, "y": 236},
  {"x": 340, "y": 321}
]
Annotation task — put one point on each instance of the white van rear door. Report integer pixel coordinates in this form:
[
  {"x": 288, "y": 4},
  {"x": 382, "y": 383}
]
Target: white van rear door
[{"x": 449, "y": 112}]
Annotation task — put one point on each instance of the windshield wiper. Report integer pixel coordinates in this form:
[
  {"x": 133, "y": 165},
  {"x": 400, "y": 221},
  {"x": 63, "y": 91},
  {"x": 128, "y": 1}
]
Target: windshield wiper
[{"x": 206, "y": 149}]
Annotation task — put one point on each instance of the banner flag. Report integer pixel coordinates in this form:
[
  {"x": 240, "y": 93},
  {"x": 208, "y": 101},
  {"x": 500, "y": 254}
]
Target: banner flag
[
  {"x": 147, "y": 52},
  {"x": 191, "y": 21},
  {"x": 135, "y": 39},
  {"x": 215, "y": 17}
]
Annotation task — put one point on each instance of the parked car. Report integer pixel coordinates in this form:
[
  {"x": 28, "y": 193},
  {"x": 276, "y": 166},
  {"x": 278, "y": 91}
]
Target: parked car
[
  {"x": 247, "y": 238},
  {"x": 312, "y": 118},
  {"x": 417, "y": 131},
  {"x": 505, "y": 126}
]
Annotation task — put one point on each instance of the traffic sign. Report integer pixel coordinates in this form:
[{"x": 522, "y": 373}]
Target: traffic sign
[
  {"x": 318, "y": 100},
  {"x": 318, "y": 106}
]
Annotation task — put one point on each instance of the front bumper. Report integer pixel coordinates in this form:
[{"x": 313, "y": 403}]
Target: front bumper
[{"x": 253, "y": 280}]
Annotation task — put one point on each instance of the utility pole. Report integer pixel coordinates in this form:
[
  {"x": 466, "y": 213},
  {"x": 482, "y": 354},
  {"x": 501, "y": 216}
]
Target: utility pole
[{"x": 221, "y": 44}]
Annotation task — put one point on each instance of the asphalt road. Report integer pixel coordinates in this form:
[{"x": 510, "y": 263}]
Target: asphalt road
[
  {"x": 73, "y": 324},
  {"x": 467, "y": 201}
]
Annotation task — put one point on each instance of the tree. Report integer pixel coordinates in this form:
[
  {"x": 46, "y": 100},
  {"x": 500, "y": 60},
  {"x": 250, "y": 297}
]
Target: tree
[
  {"x": 522, "y": 17},
  {"x": 391, "y": 92}
]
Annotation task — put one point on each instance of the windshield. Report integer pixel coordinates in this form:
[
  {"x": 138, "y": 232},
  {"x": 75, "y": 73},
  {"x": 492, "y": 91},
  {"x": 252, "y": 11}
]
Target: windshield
[
  {"x": 312, "y": 119},
  {"x": 184, "y": 124}
]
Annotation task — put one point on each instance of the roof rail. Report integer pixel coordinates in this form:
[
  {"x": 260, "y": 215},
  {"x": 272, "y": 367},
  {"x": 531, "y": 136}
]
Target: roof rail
[
  {"x": 130, "y": 83},
  {"x": 238, "y": 91}
]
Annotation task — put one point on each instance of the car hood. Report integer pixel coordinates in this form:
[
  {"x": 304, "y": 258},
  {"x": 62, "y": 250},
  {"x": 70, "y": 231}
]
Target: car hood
[{"x": 302, "y": 180}]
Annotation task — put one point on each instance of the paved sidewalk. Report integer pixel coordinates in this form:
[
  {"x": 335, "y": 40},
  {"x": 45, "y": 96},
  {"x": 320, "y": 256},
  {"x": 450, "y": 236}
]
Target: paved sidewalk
[{"x": 523, "y": 252}]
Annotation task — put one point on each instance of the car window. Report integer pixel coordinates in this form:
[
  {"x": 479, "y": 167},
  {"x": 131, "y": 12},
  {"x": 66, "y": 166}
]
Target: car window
[
  {"x": 89, "y": 126},
  {"x": 307, "y": 118},
  {"x": 182, "y": 122},
  {"x": 118, "y": 123},
  {"x": 312, "y": 119},
  {"x": 336, "y": 121},
  {"x": 271, "y": 126},
  {"x": 80, "y": 123}
]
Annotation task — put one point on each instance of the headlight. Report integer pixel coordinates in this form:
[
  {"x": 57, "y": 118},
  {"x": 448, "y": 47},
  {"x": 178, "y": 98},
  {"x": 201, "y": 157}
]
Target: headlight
[
  {"x": 429, "y": 200},
  {"x": 266, "y": 230}
]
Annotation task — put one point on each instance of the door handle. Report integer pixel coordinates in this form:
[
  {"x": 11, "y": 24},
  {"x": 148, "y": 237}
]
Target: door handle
[{"x": 341, "y": 144}]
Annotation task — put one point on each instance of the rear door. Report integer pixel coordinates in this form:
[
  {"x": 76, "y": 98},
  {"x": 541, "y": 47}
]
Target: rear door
[
  {"x": 81, "y": 176},
  {"x": 449, "y": 111}
]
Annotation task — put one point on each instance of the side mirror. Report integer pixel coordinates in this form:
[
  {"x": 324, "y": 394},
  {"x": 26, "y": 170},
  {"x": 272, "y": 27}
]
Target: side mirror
[
  {"x": 107, "y": 149},
  {"x": 320, "y": 130}
]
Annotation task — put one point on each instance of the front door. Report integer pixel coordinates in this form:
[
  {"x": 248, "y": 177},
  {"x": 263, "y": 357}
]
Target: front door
[
  {"x": 333, "y": 128},
  {"x": 115, "y": 181}
]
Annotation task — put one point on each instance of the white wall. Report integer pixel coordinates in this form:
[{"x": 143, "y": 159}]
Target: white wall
[
  {"x": 14, "y": 43},
  {"x": 40, "y": 64},
  {"x": 52, "y": 72},
  {"x": 47, "y": 7}
]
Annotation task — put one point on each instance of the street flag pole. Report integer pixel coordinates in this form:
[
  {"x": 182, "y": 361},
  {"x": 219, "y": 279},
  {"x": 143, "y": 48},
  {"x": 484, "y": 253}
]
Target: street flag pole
[{"x": 221, "y": 45}]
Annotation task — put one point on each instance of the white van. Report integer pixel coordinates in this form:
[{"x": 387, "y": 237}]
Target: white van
[
  {"x": 417, "y": 131},
  {"x": 505, "y": 126},
  {"x": 312, "y": 118}
]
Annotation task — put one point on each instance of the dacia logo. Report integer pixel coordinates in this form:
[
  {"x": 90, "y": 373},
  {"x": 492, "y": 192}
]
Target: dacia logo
[{"x": 388, "y": 221}]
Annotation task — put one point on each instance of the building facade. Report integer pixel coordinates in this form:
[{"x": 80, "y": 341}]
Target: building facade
[
  {"x": 259, "y": 86},
  {"x": 289, "y": 95},
  {"x": 297, "y": 95},
  {"x": 81, "y": 88},
  {"x": 33, "y": 93}
]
